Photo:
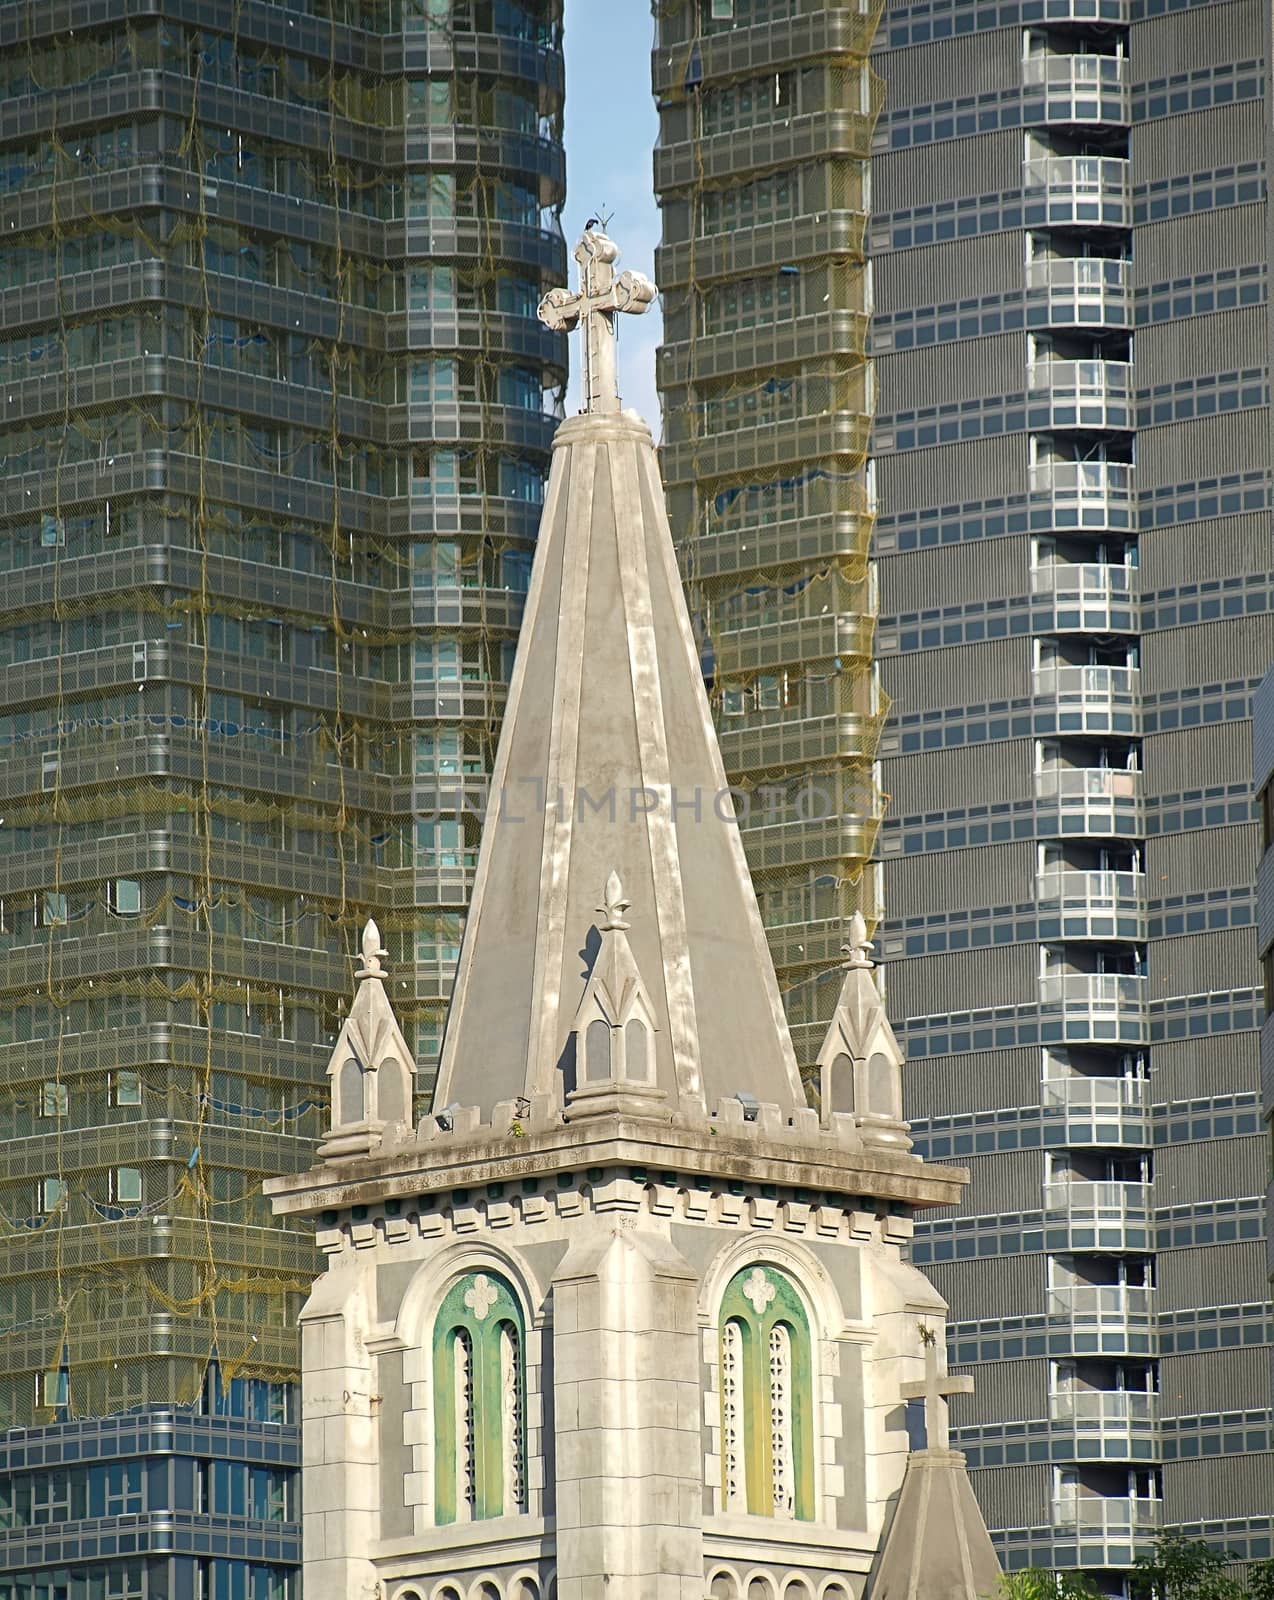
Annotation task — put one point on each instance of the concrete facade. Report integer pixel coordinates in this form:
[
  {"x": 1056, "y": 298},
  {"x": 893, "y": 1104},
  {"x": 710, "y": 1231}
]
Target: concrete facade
[{"x": 1070, "y": 247}]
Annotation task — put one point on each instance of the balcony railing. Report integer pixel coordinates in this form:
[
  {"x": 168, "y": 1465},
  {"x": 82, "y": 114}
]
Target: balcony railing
[
  {"x": 1088, "y": 291},
  {"x": 1079, "y": 88},
  {"x": 1094, "y": 991},
  {"x": 1087, "y": 597},
  {"x": 1094, "y": 1007},
  {"x": 1104, "y": 1408},
  {"x": 1081, "y": 394},
  {"x": 1088, "y": 783},
  {"x": 1096, "y": 699},
  {"x": 1114, "y": 1201},
  {"x": 1091, "y": 891},
  {"x": 1078, "y": 191},
  {"x": 1092, "y": 905},
  {"x": 1118, "y": 12},
  {"x": 1063, "y": 68},
  {"x": 1101, "y": 1303},
  {"x": 1098, "y": 1516},
  {"x": 1094, "y": 582},
  {"x": 1095, "y": 1094},
  {"x": 1082, "y": 494}
]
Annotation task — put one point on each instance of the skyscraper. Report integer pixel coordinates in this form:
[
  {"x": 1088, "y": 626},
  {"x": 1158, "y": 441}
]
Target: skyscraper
[
  {"x": 766, "y": 109},
  {"x": 278, "y": 412},
  {"x": 1070, "y": 238}
]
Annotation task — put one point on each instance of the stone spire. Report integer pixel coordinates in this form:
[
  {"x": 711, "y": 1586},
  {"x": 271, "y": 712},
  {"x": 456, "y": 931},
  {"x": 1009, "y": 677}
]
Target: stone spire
[
  {"x": 860, "y": 1062},
  {"x": 608, "y": 762},
  {"x": 371, "y": 1071}
]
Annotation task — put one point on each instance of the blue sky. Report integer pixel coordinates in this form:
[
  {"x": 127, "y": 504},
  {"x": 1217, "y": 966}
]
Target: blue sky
[{"x": 611, "y": 128}]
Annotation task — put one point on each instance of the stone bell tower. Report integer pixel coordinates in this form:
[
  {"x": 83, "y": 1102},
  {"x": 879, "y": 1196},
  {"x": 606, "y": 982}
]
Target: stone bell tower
[{"x": 623, "y": 1316}]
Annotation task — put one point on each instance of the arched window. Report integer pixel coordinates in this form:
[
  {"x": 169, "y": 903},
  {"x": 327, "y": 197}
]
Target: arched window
[
  {"x": 391, "y": 1100},
  {"x": 882, "y": 1087},
  {"x": 636, "y": 1050},
  {"x": 479, "y": 1373},
  {"x": 767, "y": 1397},
  {"x": 350, "y": 1106},
  {"x": 597, "y": 1050},
  {"x": 841, "y": 1085}
]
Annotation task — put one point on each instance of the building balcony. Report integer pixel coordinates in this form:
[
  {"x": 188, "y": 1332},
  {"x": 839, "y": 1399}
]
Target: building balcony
[
  {"x": 817, "y": 943},
  {"x": 1096, "y": 396},
  {"x": 839, "y": 334},
  {"x": 1092, "y": 905},
  {"x": 1106, "y": 1424},
  {"x": 1081, "y": 786},
  {"x": 744, "y": 251},
  {"x": 839, "y": 134},
  {"x": 1089, "y": 699},
  {"x": 1117, "y": 13},
  {"x": 774, "y": 846},
  {"x": 796, "y": 639},
  {"x": 1094, "y": 1007},
  {"x": 1084, "y": 597},
  {"x": 1087, "y": 1217},
  {"x": 1073, "y": 89},
  {"x": 1085, "y": 1198},
  {"x": 1089, "y": 802},
  {"x": 1114, "y": 1410},
  {"x": 1079, "y": 292},
  {"x": 733, "y": 451},
  {"x": 1101, "y": 1517},
  {"x": 742, "y": 52},
  {"x": 1077, "y": 192},
  {"x": 1093, "y": 1100},
  {"x": 1104, "y": 1319},
  {"x": 770, "y": 742},
  {"x": 1097, "y": 495}
]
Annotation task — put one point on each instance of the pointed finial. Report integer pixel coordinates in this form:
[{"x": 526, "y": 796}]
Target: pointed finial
[
  {"x": 613, "y": 905},
  {"x": 857, "y": 949},
  {"x": 372, "y": 952}
]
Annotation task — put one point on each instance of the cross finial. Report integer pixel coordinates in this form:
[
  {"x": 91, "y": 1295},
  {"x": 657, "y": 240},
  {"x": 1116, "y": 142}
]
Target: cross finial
[
  {"x": 934, "y": 1389},
  {"x": 602, "y": 294},
  {"x": 857, "y": 948},
  {"x": 372, "y": 952},
  {"x": 613, "y": 905}
]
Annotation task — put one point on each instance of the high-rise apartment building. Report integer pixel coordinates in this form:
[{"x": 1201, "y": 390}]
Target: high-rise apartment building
[
  {"x": 1070, "y": 239},
  {"x": 1263, "y": 789},
  {"x": 766, "y": 109},
  {"x": 277, "y": 412}
]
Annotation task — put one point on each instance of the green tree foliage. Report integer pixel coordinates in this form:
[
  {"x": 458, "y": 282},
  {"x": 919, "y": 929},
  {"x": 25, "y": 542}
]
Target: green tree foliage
[
  {"x": 1178, "y": 1568},
  {"x": 1038, "y": 1583}
]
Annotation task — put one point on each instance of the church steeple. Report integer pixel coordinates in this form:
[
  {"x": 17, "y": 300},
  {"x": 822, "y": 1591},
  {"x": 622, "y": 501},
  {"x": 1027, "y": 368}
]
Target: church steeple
[
  {"x": 608, "y": 761},
  {"x": 624, "y": 1317}
]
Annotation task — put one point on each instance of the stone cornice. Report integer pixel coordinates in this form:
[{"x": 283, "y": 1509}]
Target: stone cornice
[{"x": 740, "y": 1151}]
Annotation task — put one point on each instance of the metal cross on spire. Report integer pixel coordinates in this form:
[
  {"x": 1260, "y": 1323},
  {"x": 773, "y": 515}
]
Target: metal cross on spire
[
  {"x": 934, "y": 1389},
  {"x": 602, "y": 293}
]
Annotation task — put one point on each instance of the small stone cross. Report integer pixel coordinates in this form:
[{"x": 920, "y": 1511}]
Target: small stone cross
[
  {"x": 934, "y": 1389},
  {"x": 481, "y": 1297},
  {"x": 601, "y": 295},
  {"x": 759, "y": 1290}
]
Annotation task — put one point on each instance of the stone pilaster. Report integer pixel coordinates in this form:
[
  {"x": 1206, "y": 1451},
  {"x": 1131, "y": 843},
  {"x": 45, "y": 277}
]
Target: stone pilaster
[
  {"x": 626, "y": 1404},
  {"x": 340, "y": 1511}
]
